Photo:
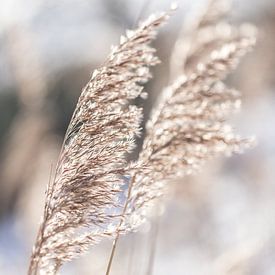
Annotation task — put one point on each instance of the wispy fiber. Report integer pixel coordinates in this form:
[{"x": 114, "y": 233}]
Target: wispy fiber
[
  {"x": 203, "y": 33},
  {"x": 188, "y": 128},
  {"x": 83, "y": 198}
]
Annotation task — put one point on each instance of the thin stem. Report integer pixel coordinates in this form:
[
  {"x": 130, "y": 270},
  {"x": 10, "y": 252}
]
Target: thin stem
[
  {"x": 112, "y": 254},
  {"x": 120, "y": 223}
]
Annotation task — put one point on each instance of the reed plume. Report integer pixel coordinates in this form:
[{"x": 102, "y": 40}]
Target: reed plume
[
  {"x": 82, "y": 199},
  {"x": 203, "y": 33},
  {"x": 188, "y": 126}
]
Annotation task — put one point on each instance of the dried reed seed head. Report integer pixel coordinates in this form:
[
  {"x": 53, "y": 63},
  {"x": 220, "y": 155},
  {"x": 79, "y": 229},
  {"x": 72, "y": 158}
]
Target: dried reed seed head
[
  {"x": 188, "y": 128},
  {"x": 82, "y": 204},
  {"x": 205, "y": 33}
]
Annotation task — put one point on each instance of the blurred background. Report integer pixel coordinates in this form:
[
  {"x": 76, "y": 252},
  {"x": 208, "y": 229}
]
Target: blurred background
[{"x": 219, "y": 221}]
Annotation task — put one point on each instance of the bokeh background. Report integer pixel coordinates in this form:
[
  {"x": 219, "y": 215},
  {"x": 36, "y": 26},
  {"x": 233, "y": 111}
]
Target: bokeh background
[{"x": 219, "y": 221}]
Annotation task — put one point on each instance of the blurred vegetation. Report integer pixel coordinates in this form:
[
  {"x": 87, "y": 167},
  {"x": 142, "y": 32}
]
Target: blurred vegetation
[{"x": 225, "y": 215}]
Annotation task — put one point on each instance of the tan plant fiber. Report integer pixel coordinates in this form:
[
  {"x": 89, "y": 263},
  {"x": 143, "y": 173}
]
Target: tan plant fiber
[
  {"x": 82, "y": 199},
  {"x": 188, "y": 128},
  {"x": 203, "y": 33}
]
